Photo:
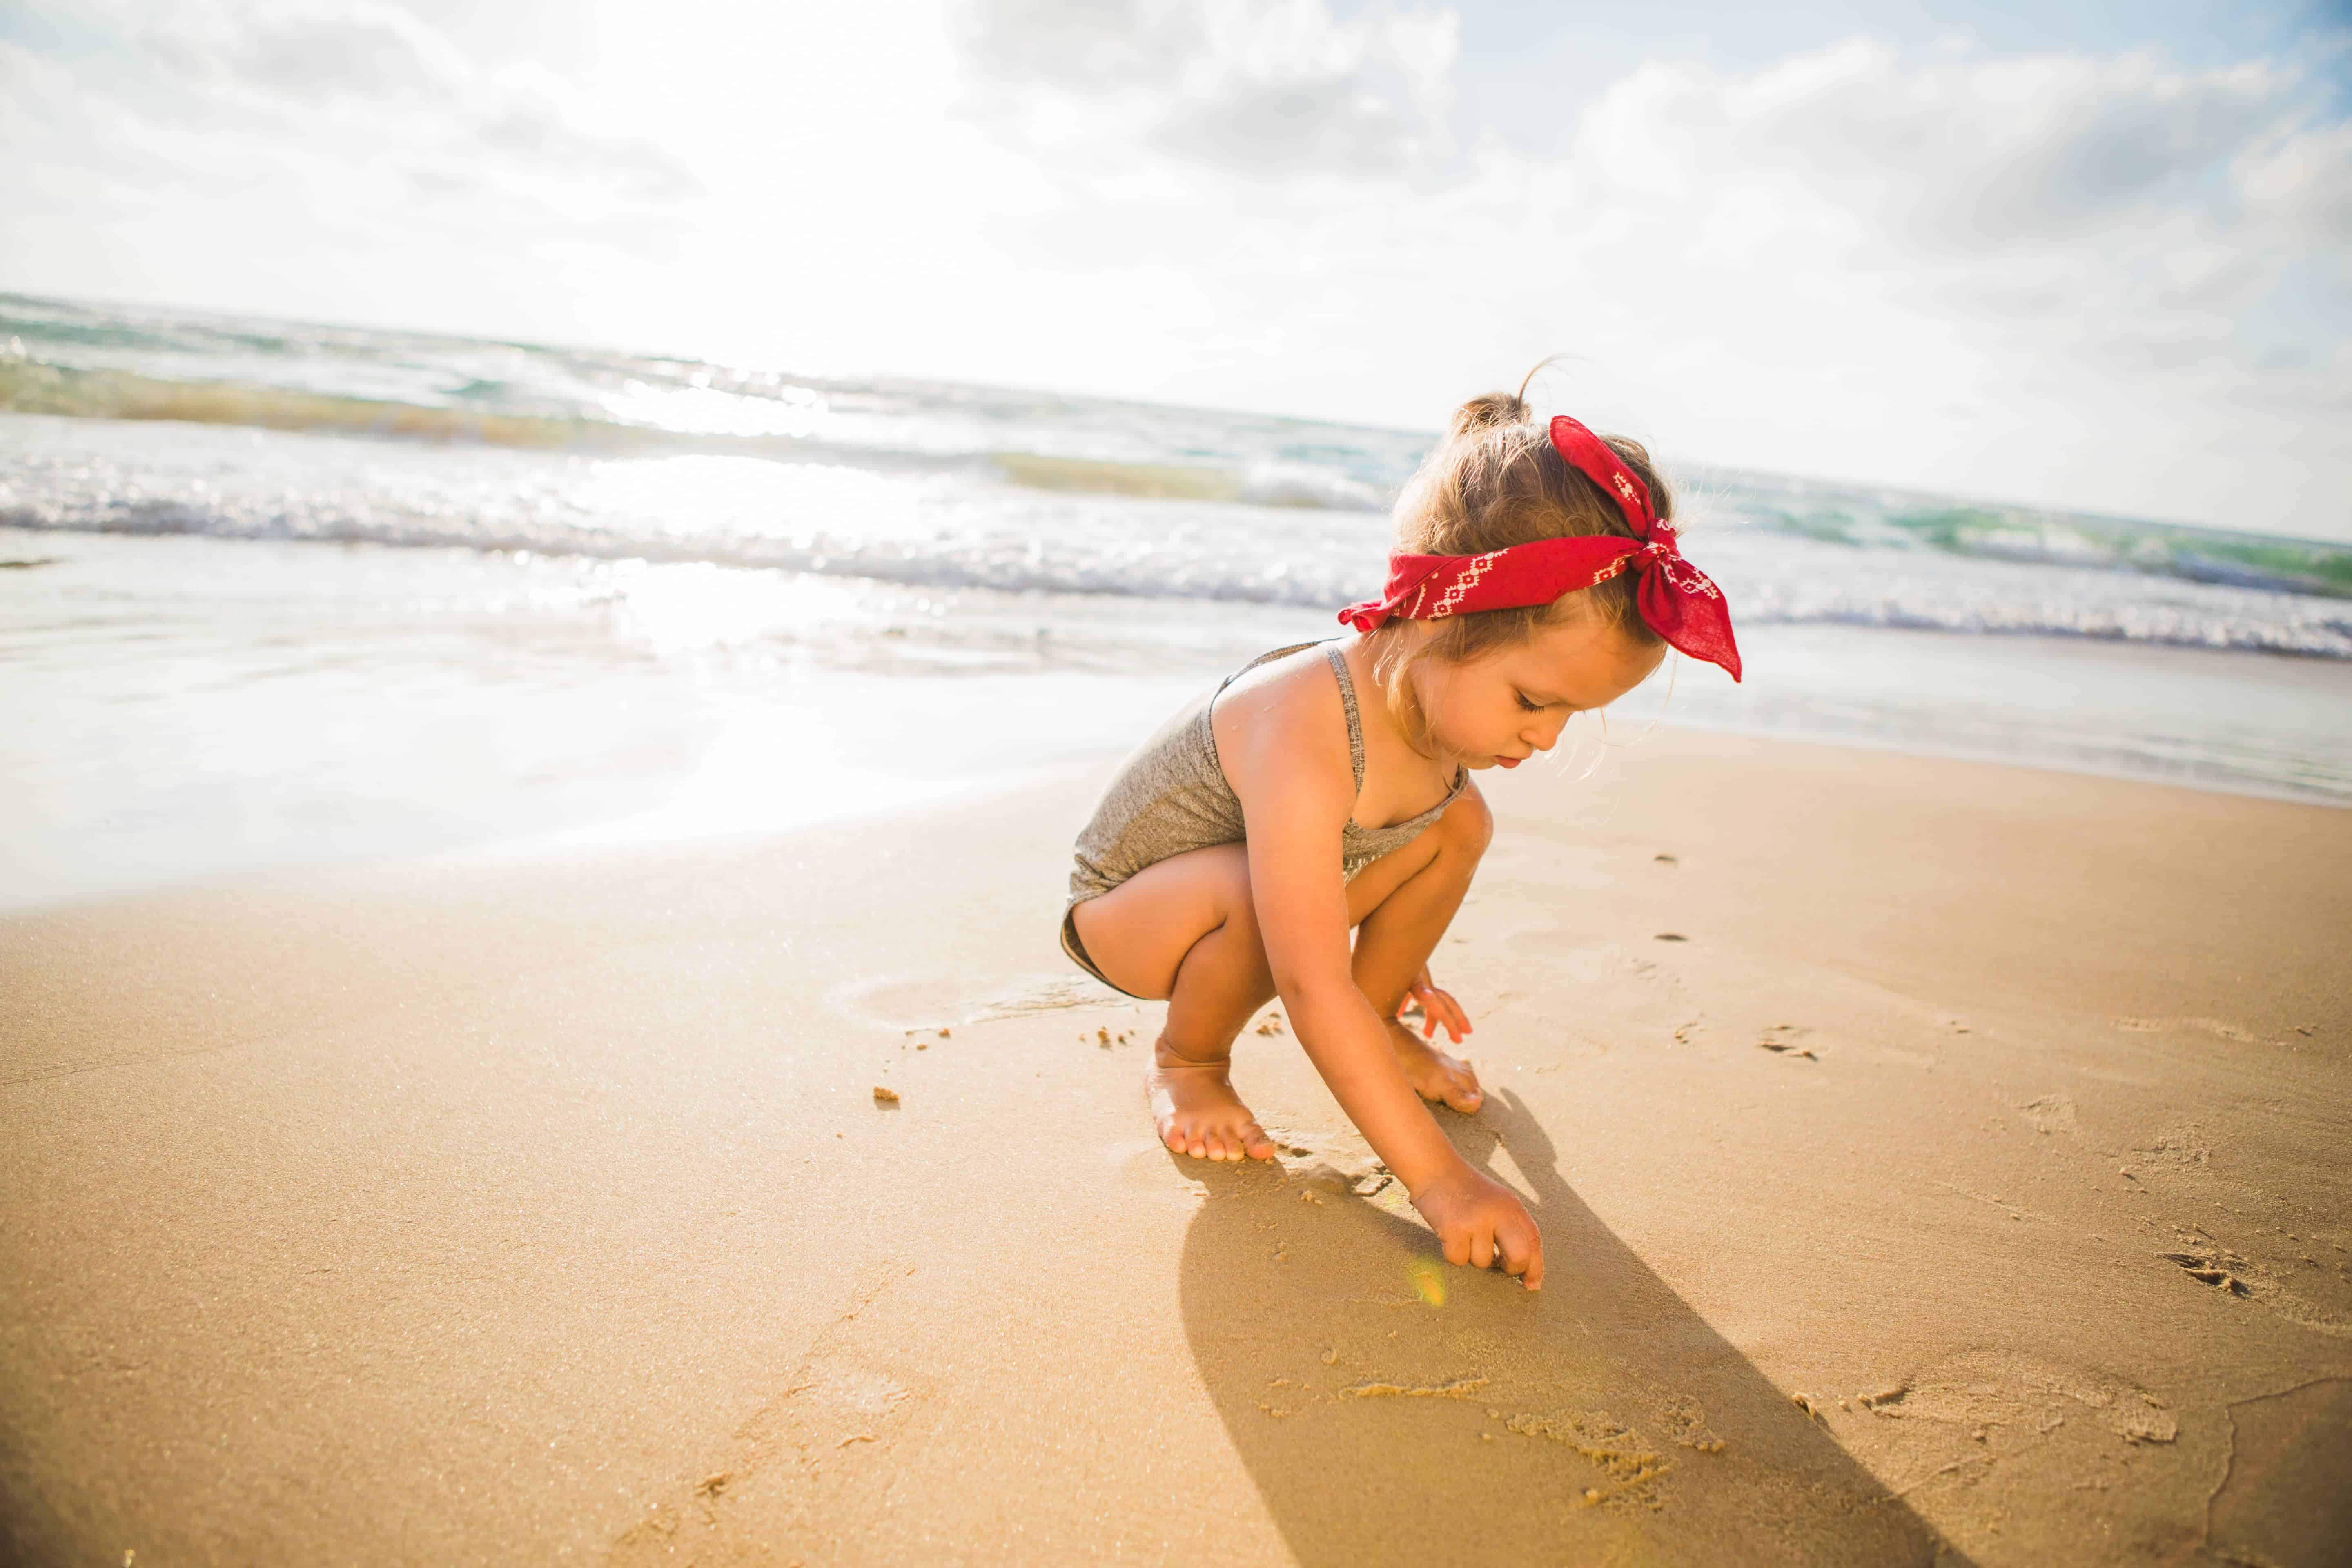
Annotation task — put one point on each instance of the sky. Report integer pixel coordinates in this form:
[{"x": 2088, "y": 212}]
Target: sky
[{"x": 2092, "y": 254}]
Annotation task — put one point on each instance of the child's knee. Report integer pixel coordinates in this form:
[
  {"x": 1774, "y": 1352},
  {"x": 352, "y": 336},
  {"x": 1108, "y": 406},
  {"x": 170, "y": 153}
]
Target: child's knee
[{"x": 1467, "y": 827}]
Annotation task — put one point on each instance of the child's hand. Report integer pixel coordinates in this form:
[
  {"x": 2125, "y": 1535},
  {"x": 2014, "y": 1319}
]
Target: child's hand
[
  {"x": 1478, "y": 1220},
  {"x": 1437, "y": 1007}
]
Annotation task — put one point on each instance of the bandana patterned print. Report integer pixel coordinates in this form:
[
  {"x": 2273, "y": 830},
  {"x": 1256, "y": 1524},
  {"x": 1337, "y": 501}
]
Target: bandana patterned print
[{"x": 1680, "y": 602}]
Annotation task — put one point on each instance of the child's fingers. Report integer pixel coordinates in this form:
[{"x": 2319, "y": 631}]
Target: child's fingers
[
  {"x": 1456, "y": 1247},
  {"x": 1482, "y": 1248},
  {"x": 1457, "y": 1017},
  {"x": 1440, "y": 1010},
  {"x": 1522, "y": 1251},
  {"x": 1420, "y": 995}
]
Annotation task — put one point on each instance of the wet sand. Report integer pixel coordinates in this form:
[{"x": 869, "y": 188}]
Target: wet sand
[{"x": 490, "y": 1211}]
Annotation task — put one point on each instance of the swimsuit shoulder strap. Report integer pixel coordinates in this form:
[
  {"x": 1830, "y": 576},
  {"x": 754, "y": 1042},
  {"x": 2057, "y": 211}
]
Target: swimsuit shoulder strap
[
  {"x": 1348, "y": 701},
  {"x": 1264, "y": 659}
]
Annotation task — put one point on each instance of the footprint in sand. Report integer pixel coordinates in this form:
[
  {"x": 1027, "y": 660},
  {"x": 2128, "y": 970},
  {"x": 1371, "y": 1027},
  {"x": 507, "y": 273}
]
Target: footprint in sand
[
  {"x": 2053, "y": 1113},
  {"x": 2209, "y": 1272},
  {"x": 2182, "y": 1144},
  {"x": 2283, "y": 1293},
  {"x": 1949, "y": 1402}
]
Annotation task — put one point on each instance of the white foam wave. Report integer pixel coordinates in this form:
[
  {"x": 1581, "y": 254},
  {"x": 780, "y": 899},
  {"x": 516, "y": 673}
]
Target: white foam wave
[
  {"x": 950, "y": 528},
  {"x": 1993, "y": 598}
]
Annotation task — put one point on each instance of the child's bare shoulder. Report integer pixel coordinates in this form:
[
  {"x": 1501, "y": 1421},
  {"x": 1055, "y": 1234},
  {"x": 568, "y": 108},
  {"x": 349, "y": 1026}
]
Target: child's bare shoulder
[
  {"x": 1296, "y": 687},
  {"x": 1288, "y": 708}
]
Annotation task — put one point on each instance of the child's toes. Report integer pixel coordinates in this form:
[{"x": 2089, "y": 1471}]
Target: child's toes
[{"x": 1255, "y": 1143}]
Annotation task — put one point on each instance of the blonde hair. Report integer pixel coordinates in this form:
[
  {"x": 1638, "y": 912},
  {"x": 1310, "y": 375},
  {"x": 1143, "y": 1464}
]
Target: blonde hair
[{"x": 1496, "y": 481}]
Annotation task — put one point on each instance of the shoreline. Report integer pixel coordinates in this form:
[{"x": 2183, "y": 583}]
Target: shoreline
[
  {"x": 468, "y": 1209},
  {"x": 195, "y": 708},
  {"x": 714, "y": 806}
]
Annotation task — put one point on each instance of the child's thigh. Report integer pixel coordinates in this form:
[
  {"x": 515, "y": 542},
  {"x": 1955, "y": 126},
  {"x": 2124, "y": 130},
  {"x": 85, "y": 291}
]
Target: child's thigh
[{"x": 1138, "y": 932}]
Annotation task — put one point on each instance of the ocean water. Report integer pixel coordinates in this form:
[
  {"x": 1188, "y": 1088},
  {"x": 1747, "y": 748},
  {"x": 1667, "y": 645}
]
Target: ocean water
[{"x": 275, "y": 592}]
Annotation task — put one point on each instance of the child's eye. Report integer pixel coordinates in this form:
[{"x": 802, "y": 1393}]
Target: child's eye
[{"x": 1526, "y": 705}]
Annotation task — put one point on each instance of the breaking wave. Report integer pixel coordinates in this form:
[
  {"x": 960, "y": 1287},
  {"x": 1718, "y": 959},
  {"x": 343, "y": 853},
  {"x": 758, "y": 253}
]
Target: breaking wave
[
  {"x": 1771, "y": 579},
  {"x": 161, "y": 423},
  {"x": 31, "y": 388}
]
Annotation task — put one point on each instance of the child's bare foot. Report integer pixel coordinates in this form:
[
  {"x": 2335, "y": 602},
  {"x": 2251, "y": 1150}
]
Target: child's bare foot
[
  {"x": 1198, "y": 1113},
  {"x": 1434, "y": 1075}
]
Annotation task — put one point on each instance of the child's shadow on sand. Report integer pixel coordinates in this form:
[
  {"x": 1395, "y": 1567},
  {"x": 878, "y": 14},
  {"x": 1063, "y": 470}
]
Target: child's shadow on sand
[{"x": 1598, "y": 1421}]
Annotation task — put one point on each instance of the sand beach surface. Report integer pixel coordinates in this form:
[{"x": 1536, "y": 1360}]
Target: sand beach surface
[{"x": 1937, "y": 1161}]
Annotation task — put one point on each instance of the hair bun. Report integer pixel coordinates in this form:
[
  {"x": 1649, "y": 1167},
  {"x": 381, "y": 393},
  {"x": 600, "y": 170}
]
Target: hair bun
[{"x": 1491, "y": 412}]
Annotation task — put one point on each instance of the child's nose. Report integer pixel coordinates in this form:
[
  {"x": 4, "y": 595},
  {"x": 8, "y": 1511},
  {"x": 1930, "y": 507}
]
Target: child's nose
[{"x": 1544, "y": 733}]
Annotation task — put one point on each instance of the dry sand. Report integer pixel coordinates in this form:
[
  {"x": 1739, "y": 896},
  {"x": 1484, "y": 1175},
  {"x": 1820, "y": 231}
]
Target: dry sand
[{"x": 507, "y": 1211}]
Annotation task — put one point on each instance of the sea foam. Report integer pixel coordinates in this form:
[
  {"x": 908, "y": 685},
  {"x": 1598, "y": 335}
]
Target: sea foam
[{"x": 127, "y": 422}]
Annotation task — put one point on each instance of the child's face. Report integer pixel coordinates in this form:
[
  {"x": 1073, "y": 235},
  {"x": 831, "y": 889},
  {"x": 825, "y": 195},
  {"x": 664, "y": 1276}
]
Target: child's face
[{"x": 1501, "y": 709}]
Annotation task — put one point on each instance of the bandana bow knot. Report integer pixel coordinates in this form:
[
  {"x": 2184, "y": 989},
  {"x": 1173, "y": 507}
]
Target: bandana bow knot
[{"x": 1680, "y": 602}]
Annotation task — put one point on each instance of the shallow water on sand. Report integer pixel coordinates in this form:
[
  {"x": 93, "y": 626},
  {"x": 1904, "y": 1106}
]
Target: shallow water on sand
[{"x": 181, "y": 707}]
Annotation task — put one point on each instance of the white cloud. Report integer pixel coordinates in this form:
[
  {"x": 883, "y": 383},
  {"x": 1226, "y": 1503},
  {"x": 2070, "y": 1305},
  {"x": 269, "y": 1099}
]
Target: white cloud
[
  {"x": 2058, "y": 278},
  {"x": 351, "y": 113},
  {"x": 2100, "y": 280},
  {"x": 317, "y": 50},
  {"x": 1276, "y": 88},
  {"x": 2301, "y": 185},
  {"x": 2093, "y": 198}
]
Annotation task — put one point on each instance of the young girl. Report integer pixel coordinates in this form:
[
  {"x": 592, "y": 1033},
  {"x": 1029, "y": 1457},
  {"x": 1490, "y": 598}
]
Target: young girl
[{"x": 1537, "y": 577}]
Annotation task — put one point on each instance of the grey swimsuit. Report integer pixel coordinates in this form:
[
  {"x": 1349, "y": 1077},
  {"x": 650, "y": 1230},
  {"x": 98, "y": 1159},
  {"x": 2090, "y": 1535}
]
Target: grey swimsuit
[{"x": 1172, "y": 797}]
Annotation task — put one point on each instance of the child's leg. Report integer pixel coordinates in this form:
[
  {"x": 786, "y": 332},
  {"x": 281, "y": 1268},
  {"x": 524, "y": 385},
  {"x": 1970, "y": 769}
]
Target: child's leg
[
  {"x": 1186, "y": 929},
  {"x": 1398, "y": 933}
]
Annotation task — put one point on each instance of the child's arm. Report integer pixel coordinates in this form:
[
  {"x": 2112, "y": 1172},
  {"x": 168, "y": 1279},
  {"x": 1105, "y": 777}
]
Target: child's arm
[{"x": 1297, "y": 794}]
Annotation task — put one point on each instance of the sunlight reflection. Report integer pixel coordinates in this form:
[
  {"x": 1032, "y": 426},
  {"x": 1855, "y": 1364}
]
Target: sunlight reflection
[
  {"x": 697, "y": 495},
  {"x": 708, "y": 411},
  {"x": 678, "y": 609},
  {"x": 1428, "y": 1282}
]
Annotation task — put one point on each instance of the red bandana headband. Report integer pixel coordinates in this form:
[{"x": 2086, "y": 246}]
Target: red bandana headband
[{"x": 1680, "y": 602}]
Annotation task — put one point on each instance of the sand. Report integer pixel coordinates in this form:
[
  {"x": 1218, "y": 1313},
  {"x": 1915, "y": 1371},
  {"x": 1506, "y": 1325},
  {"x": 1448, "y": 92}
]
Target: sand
[{"x": 1969, "y": 1183}]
